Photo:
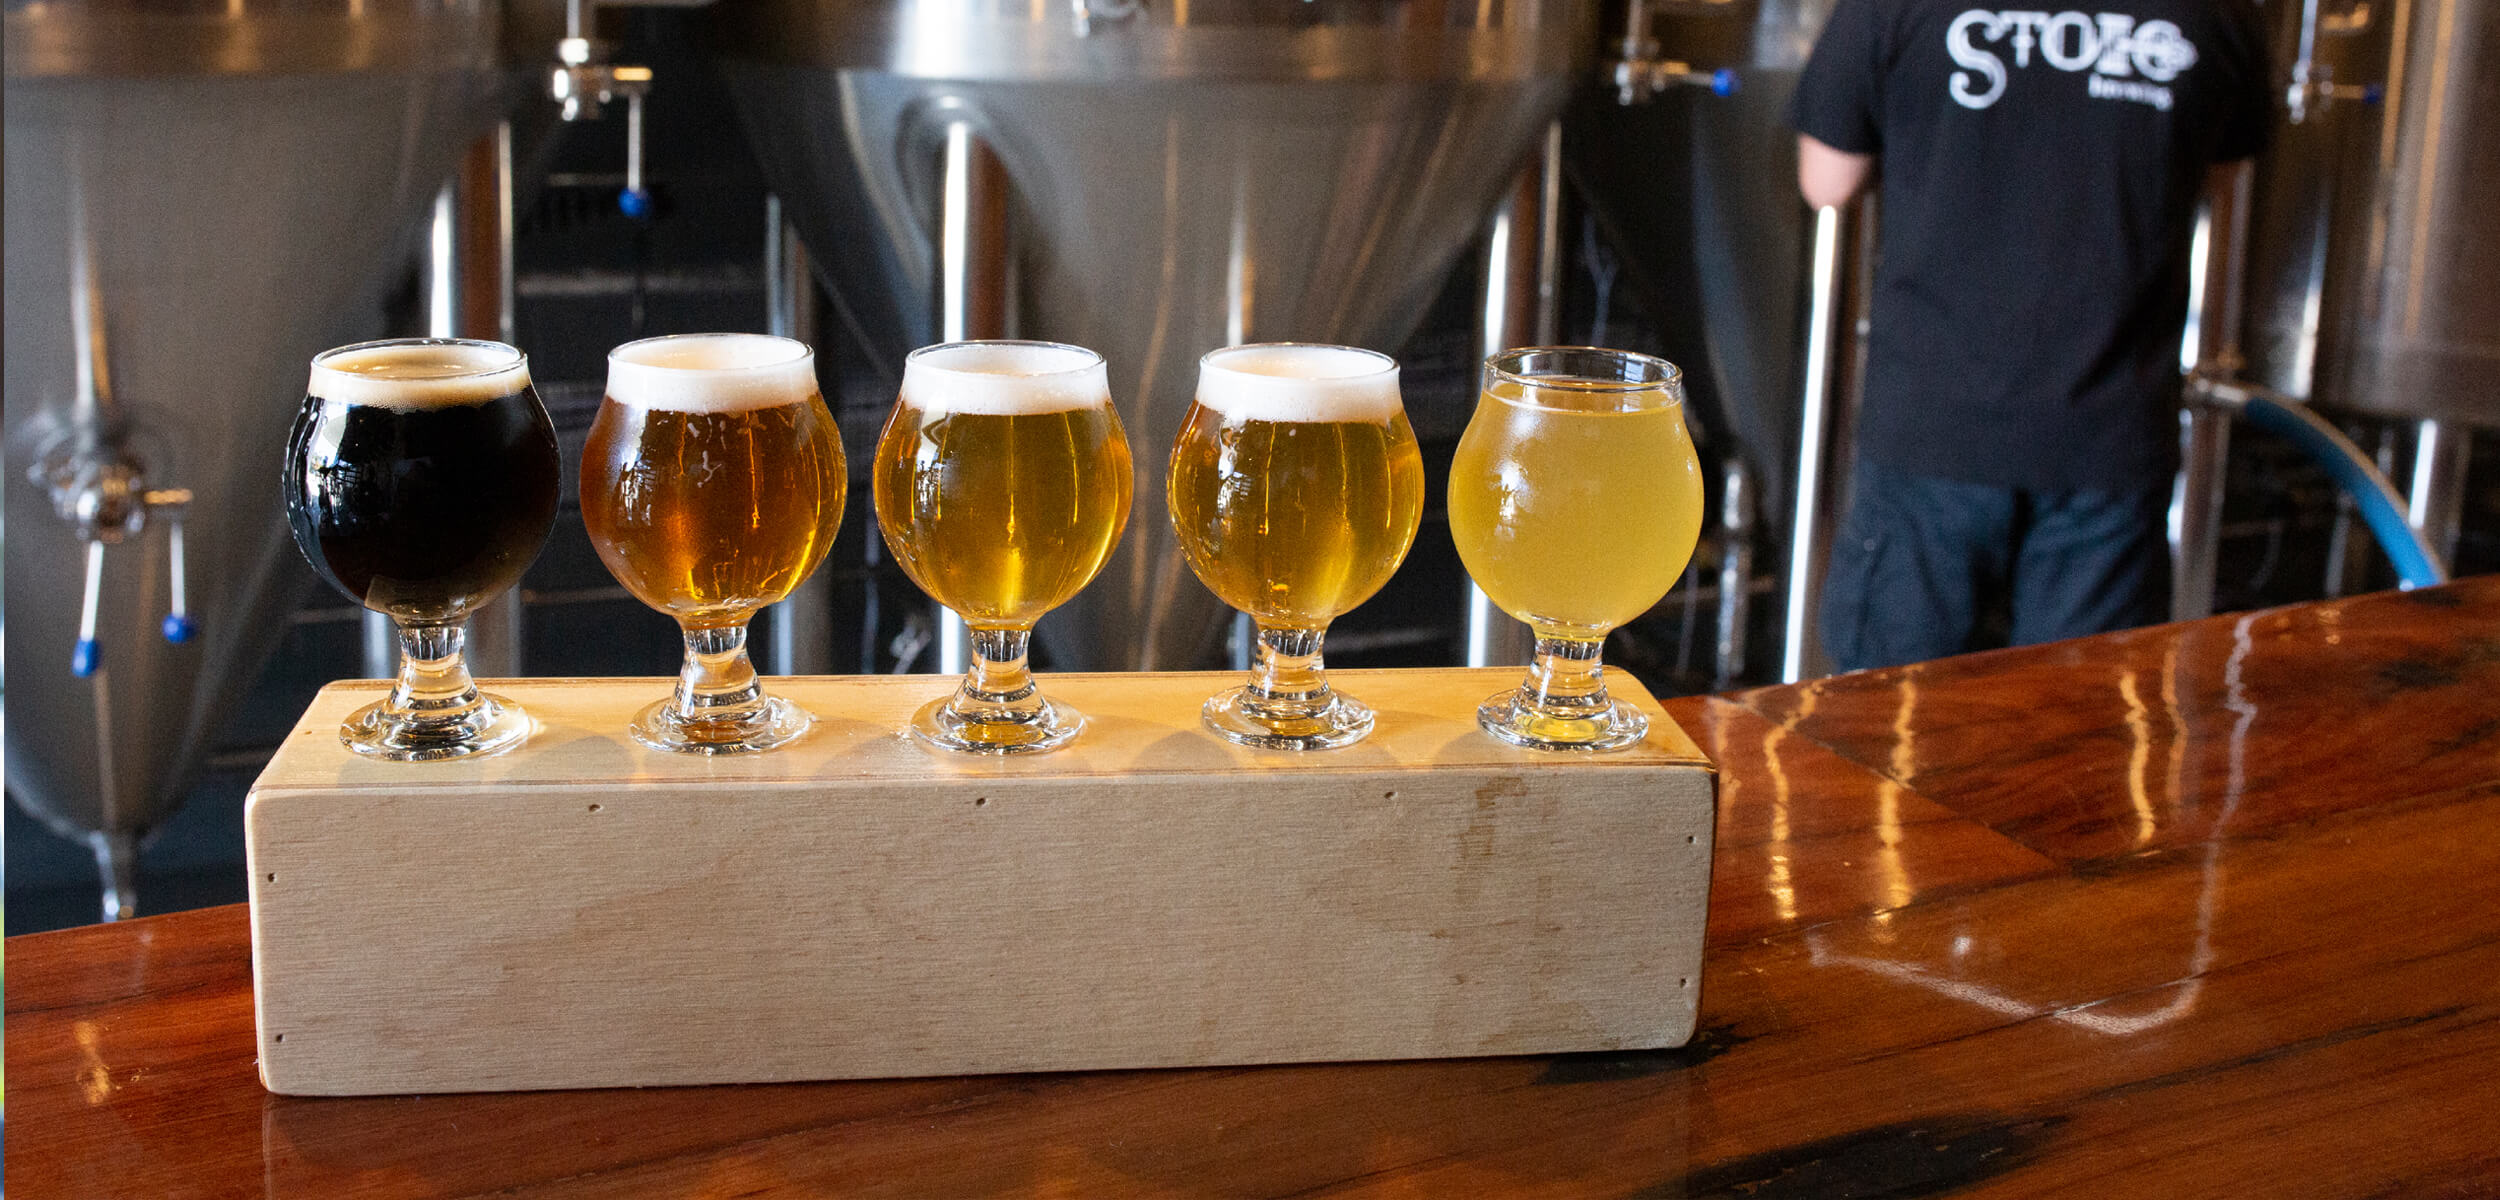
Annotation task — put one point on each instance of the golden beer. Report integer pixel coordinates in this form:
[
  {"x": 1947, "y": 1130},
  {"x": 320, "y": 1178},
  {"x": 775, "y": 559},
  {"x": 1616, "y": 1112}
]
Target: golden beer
[
  {"x": 1001, "y": 508},
  {"x": 1295, "y": 522},
  {"x": 1002, "y": 483},
  {"x": 1296, "y": 487},
  {"x": 711, "y": 486},
  {"x": 1575, "y": 509}
]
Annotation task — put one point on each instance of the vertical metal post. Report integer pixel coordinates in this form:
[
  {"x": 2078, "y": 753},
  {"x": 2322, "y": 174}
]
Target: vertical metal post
[
  {"x": 2435, "y": 503},
  {"x": 1521, "y": 292},
  {"x": 972, "y": 289},
  {"x": 1820, "y": 452},
  {"x": 2196, "y": 508},
  {"x": 1735, "y": 568},
  {"x": 443, "y": 262},
  {"x": 480, "y": 284},
  {"x": 799, "y": 635},
  {"x": 2205, "y": 431}
]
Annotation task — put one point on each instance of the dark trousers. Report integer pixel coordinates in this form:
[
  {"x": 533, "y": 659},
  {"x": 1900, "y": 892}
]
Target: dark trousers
[{"x": 1919, "y": 563}]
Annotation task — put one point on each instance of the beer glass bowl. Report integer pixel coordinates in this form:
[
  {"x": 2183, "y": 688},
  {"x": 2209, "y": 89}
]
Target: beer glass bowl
[
  {"x": 1002, "y": 484},
  {"x": 421, "y": 481},
  {"x": 1575, "y": 500},
  {"x": 712, "y": 486},
  {"x": 1296, "y": 487}
]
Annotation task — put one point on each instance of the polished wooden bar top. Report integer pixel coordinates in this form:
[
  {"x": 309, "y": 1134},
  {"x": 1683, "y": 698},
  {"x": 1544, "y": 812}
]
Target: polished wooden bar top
[{"x": 2209, "y": 909}]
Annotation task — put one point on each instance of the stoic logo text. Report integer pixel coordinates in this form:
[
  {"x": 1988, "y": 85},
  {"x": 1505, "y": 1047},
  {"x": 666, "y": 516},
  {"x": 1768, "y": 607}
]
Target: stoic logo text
[{"x": 2110, "y": 45}]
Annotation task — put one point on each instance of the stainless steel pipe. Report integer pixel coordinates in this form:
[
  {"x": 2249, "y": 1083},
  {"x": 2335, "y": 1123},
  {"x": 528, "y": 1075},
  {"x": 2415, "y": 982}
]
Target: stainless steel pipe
[
  {"x": 1823, "y": 444},
  {"x": 799, "y": 635},
  {"x": 1522, "y": 272}
]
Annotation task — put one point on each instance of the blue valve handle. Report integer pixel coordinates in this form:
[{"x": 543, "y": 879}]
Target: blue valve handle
[
  {"x": 84, "y": 658},
  {"x": 179, "y": 628},
  {"x": 634, "y": 203},
  {"x": 1723, "y": 82}
]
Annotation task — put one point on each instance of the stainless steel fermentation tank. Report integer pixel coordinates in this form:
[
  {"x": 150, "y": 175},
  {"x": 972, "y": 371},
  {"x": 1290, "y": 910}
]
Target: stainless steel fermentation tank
[
  {"x": 2372, "y": 255},
  {"x": 2373, "y": 258},
  {"x": 199, "y": 197},
  {"x": 1150, "y": 178}
]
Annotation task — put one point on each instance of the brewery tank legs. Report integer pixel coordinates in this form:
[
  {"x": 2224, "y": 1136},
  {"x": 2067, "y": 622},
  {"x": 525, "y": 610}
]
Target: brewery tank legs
[
  {"x": 2435, "y": 503},
  {"x": 1521, "y": 286},
  {"x": 973, "y": 259},
  {"x": 799, "y": 635}
]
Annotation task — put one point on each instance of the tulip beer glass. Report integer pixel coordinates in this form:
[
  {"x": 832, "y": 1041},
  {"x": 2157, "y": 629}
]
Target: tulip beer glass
[
  {"x": 712, "y": 485},
  {"x": 421, "y": 480},
  {"x": 1296, "y": 487},
  {"x": 1575, "y": 500},
  {"x": 1002, "y": 484}
]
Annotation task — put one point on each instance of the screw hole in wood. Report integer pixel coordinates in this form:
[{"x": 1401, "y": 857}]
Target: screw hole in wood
[
  {"x": 594, "y": 808},
  {"x": 980, "y": 802}
]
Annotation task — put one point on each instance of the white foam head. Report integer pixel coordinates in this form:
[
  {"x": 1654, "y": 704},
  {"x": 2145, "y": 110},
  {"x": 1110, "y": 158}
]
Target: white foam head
[
  {"x": 418, "y": 373},
  {"x": 1004, "y": 378},
  {"x": 711, "y": 372},
  {"x": 1293, "y": 381}
]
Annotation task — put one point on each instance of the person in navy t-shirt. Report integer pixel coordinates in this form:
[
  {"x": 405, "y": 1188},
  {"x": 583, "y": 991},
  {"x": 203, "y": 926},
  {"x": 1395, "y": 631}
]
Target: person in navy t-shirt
[{"x": 2039, "y": 174}]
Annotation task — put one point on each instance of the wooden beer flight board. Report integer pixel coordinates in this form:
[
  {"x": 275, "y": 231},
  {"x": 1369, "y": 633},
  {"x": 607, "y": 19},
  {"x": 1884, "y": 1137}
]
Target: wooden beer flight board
[{"x": 582, "y": 912}]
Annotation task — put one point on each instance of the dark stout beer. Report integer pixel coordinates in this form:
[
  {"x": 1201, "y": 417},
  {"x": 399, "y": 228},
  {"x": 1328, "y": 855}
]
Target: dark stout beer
[{"x": 421, "y": 476}]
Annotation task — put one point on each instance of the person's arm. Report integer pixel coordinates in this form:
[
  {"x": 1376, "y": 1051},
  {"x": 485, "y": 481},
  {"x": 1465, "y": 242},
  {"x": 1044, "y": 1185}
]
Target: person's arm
[
  {"x": 1836, "y": 106},
  {"x": 1828, "y": 177}
]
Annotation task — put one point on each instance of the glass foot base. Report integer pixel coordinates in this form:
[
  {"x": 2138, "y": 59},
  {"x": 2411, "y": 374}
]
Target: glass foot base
[
  {"x": 494, "y": 726},
  {"x": 1513, "y": 717},
  {"x": 1237, "y": 716},
  {"x": 776, "y": 722},
  {"x": 1030, "y": 731}
]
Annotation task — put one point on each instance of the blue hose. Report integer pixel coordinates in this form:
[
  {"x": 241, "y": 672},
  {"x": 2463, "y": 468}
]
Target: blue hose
[{"x": 2416, "y": 565}]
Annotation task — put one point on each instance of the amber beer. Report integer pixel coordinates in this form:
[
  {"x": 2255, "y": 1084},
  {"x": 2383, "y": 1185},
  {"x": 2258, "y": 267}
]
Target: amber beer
[
  {"x": 1002, "y": 484},
  {"x": 1296, "y": 486},
  {"x": 711, "y": 486},
  {"x": 1002, "y": 479}
]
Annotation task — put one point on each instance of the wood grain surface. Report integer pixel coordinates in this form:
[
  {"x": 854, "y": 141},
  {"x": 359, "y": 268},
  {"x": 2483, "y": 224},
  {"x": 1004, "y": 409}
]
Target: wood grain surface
[
  {"x": 589, "y": 913},
  {"x": 2206, "y": 910}
]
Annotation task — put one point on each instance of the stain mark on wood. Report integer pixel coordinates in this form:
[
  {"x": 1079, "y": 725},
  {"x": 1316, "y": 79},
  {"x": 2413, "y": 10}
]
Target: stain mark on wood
[
  {"x": 1898, "y": 1162},
  {"x": 2467, "y": 738},
  {"x": 2271, "y": 1054},
  {"x": 1606, "y": 1066},
  {"x": 2417, "y": 674}
]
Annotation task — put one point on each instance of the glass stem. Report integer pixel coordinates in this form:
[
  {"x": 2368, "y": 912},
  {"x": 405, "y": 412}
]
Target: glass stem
[
  {"x": 718, "y": 681},
  {"x": 1566, "y": 678},
  {"x": 434, "y": 685},
  {"x": 1286, "y": 672},
  {"x": 1000, "y": 685}
]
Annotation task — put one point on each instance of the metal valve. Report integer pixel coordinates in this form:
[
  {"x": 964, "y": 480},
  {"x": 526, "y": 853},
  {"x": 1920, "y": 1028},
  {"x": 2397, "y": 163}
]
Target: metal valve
[
  {"x": 1636, "y": 80},
  {"x": 584, "y": 82},
  {"x": 101, "y": 491}
]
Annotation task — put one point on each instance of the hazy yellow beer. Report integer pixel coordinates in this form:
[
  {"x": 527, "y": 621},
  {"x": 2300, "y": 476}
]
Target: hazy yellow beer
[
  {"x": 1575, "y": 509},
  {"x": 1575, "y": 501},
  {"x": 1296, "y": 485},
  {"x": 1002, "y": 482},
  {"x": 712, "y": 485}
]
